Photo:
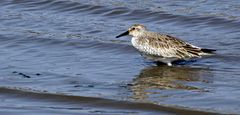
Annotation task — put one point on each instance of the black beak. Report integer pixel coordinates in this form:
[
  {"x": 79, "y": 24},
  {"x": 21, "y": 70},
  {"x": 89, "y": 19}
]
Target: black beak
[{"x": 123, "y": 34}]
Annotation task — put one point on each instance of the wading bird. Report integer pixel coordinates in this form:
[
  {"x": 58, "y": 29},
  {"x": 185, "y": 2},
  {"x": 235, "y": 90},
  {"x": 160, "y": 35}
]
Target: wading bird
[{"x": 161, "y": 47}]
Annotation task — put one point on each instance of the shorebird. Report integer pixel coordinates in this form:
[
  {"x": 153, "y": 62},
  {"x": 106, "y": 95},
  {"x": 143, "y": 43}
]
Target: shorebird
[{"x": 162, "y": 47}]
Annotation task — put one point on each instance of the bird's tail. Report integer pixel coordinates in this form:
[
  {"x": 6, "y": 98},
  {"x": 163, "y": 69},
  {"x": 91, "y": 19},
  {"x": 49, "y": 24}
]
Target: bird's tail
[{"x": 208, "y": 51}]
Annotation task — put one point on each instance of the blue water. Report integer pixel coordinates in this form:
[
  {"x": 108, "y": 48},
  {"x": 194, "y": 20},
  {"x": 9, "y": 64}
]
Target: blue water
[{"x": 61, "y": 57}]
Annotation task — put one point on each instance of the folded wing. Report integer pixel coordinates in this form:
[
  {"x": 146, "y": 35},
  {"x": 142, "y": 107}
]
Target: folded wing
[{"x": 168, "y": 46}]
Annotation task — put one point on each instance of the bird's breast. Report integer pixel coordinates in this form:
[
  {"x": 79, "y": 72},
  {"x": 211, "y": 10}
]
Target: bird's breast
[
  {"x": 145, "y": 47},
  {"x": 138, "y": 44},
  {"x": 142, "y": 45},
  {"x": 135, "y": 42}
]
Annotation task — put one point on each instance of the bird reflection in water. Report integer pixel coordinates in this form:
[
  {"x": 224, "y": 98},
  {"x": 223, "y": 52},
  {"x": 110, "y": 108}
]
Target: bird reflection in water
[{"x": 154, "y": 79}]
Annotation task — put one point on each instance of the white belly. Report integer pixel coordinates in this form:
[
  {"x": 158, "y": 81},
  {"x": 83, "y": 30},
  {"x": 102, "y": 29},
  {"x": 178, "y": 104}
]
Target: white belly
[
  {"x": 146, "y": 51},
  {"x": 159, "y": 58}
]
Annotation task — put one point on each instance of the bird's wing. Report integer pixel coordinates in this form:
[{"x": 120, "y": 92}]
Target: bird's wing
[{"x": 168, "y": 46}]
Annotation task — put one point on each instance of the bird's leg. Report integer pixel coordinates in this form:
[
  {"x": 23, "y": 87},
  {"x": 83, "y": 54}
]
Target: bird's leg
[
  {"x": 169, "y": 64},
  {"x": 163, "y": 63}
]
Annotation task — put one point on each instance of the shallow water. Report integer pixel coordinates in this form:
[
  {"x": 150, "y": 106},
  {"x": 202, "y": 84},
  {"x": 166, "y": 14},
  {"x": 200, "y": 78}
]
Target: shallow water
[{"x": 62, "y": 57}]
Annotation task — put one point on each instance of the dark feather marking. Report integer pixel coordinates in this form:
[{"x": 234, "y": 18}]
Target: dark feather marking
[{"x": 208, "y": 50}]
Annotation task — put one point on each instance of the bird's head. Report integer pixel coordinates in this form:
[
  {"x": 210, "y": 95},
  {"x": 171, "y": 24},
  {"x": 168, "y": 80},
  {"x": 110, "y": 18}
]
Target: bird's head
[{"x": 135, "y": 30}]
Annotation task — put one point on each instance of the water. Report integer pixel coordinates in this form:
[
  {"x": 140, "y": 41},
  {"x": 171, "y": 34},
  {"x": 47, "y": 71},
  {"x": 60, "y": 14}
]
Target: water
[{"x": 62, "y": 57}]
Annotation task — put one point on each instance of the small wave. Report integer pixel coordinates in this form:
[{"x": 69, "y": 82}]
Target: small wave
[
  {"x": 121, "y": 12},
  {"x": 64, "y": 100}
]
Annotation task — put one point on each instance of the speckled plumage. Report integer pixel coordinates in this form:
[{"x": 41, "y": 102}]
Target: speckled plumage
[{"x": 161, "y": 47}]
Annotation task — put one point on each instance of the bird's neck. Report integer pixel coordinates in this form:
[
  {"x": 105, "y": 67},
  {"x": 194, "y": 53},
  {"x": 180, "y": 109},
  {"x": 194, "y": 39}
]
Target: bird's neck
[{"x": 141, "y": 34}]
